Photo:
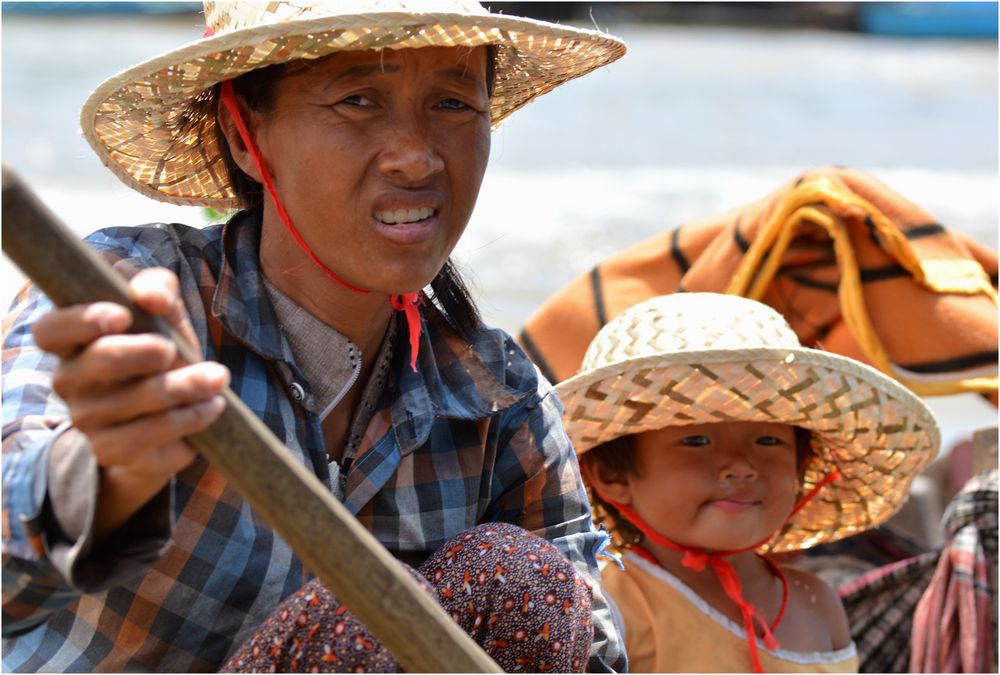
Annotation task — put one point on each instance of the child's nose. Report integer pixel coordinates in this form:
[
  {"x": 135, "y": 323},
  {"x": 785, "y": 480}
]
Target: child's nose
[{"x": 738, "y": 468}]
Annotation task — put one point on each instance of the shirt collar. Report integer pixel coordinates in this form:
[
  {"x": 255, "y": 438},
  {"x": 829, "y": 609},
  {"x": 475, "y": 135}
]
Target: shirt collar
[
  {"x": 454, "y": 378},
  {"x": 241, "y": 302}
]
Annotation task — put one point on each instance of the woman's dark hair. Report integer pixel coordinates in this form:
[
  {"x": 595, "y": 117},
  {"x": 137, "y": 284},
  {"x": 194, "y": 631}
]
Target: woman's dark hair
[
  {"x": 258, "y": 90},
  {"x": 618, "y": 457}
]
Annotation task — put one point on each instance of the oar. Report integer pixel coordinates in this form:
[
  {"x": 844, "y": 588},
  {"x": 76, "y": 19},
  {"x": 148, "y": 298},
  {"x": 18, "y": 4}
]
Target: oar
[{"x": 349, "y": 561}]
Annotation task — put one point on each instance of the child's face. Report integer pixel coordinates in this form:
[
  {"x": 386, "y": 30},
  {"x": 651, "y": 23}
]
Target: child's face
[{"x": 717, "y": 487}]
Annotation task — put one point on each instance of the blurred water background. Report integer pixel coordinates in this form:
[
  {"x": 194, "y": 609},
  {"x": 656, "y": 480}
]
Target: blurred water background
[{"x": 702, "y": 115}]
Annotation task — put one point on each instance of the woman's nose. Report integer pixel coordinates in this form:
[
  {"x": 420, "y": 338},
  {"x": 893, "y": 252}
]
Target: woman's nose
[{"x": 409, "y": 157}]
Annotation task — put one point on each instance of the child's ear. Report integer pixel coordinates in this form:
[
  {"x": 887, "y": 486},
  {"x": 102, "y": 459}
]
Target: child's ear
[{"x": 608, "y": 482}]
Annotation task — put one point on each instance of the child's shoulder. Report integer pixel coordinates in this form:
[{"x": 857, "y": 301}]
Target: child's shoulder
[{"x": 808, "y": 594}]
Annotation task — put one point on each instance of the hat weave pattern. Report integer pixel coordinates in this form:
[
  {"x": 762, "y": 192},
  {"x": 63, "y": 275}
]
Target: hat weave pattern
[
  {"x": 697, "y": 358},
  {"x": 146, "y": 127}
]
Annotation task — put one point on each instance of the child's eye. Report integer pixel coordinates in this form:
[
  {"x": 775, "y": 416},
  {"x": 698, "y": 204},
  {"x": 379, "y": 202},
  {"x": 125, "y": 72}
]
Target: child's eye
[
  {"x": 769, "y": 440},
  {"x": 695, "y": 440}
]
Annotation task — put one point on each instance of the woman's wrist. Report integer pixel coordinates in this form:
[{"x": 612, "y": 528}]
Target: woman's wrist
[{"x": 122, "y": 492}]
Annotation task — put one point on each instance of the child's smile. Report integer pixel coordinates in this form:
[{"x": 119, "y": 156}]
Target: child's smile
[
  {"x": 735, "y": 504},
  {"x": 717, "y": 487}
]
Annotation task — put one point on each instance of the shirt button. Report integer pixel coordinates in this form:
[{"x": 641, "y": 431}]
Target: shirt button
[{"x": 298, "y": 393}]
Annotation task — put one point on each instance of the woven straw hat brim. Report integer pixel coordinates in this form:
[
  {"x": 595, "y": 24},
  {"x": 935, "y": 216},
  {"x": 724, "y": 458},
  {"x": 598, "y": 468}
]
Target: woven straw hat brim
[
  {"x": 876, "y": 433},
  {"x": 138, "y": 121}
]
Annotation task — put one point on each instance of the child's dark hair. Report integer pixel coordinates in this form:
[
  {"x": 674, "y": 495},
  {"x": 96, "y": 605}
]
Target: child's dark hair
[
  {"x": 615, "y": 456},
  {"x": 618, "y": 457}
]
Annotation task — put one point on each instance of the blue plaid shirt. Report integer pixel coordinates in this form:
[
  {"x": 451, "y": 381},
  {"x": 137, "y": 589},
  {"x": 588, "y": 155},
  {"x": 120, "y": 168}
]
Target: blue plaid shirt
[{"x": 475, "y": 435}]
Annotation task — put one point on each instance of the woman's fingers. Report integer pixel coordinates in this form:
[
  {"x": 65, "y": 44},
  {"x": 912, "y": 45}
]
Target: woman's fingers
[
  {"x": 111, "y": 361},
  {"x": 64, "y": 332},
  {"x": 149, "y": 395},
  {"x": 157, "y": 291},
  {"x": 152, "y": 444},
  {"x": 130, "y": 394}
]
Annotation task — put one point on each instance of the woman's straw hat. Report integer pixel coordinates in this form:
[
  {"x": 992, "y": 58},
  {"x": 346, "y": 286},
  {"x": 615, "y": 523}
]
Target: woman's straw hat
[
  {"x": 696, "y": 358},
  {"x": 142, "y": 124}
]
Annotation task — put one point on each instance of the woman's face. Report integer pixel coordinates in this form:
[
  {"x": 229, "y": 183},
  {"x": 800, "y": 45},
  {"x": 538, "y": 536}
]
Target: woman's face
[
  {"x": 378, "y": 158},
  {"x": 719, "y": 487}
]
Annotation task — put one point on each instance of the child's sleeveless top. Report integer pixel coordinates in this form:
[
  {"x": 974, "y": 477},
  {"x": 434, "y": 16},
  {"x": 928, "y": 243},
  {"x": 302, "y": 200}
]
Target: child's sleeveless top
[{"x": 669, "y": 628}]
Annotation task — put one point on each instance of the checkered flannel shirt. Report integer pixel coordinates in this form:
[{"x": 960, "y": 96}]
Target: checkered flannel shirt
[{"x": 475, "y": 435}]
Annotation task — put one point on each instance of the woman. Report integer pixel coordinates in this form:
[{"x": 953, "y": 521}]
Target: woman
[{"x": 353, "y": 140}]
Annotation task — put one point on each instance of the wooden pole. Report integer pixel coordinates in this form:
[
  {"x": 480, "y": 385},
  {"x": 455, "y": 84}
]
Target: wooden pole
[{"x": 349, "y": 561}]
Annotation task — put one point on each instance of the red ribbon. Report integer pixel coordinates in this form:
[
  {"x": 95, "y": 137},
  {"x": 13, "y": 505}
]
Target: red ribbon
[{"x": 407, "y": 302}]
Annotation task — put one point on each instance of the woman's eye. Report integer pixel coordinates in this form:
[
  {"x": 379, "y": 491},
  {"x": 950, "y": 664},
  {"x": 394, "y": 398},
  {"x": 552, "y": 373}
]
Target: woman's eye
[
  {"x": 359, "y": 101},
  {"x": 695, "y": 440},
  {"x": 452, "y": 104},
  {"x": 769, "y": 440}
]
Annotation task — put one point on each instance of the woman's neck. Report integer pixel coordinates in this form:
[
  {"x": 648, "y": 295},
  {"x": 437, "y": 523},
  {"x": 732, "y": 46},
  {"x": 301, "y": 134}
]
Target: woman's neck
[{"x": 361, "y": 317}]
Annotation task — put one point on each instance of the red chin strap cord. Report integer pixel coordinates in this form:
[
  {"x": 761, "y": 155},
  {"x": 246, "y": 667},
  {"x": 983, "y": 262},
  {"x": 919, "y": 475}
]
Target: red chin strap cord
[
  {"x": 697, "y": 560},
  {"x": 408, "y": 303}
]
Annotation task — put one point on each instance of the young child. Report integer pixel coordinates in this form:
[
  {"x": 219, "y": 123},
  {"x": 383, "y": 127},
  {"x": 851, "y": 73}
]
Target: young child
[{"x": 709, "y": 437}]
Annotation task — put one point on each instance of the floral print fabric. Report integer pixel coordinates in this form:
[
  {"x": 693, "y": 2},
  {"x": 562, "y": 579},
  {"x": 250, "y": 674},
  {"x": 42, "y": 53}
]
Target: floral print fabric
[{"x": 513, "y": 592}]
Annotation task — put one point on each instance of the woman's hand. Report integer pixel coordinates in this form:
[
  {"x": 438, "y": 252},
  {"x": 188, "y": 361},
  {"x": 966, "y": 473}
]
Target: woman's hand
[{"x": 129, "y": 394}]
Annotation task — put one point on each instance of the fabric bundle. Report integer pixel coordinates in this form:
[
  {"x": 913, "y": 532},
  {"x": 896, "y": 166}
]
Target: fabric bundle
[{"x": 855, "y": 268}]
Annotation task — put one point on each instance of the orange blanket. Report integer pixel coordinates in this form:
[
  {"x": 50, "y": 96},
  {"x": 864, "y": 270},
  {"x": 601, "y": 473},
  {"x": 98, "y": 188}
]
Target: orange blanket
[{"x": 854, "y": 267}]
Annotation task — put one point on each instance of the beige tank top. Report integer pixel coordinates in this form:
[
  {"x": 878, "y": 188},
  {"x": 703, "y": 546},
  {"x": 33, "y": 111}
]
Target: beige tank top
[{"x": 669, "y": 628}]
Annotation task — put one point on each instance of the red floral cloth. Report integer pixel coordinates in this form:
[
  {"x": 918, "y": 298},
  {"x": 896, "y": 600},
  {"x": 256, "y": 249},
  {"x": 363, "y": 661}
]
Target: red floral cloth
[{"x": 512, "y": 591}]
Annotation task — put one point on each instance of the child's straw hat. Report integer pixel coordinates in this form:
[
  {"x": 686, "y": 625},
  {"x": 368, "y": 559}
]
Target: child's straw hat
[
  {"x": 144, "y": 128},
  {"x": 696, "y": 358}
]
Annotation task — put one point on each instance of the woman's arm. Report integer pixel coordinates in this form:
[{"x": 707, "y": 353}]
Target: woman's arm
[{"x": 93, "y": 428}]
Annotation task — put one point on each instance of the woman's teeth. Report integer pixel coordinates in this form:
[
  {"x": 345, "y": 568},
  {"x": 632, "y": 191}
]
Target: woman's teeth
[{"x": 404, "y": 215}]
